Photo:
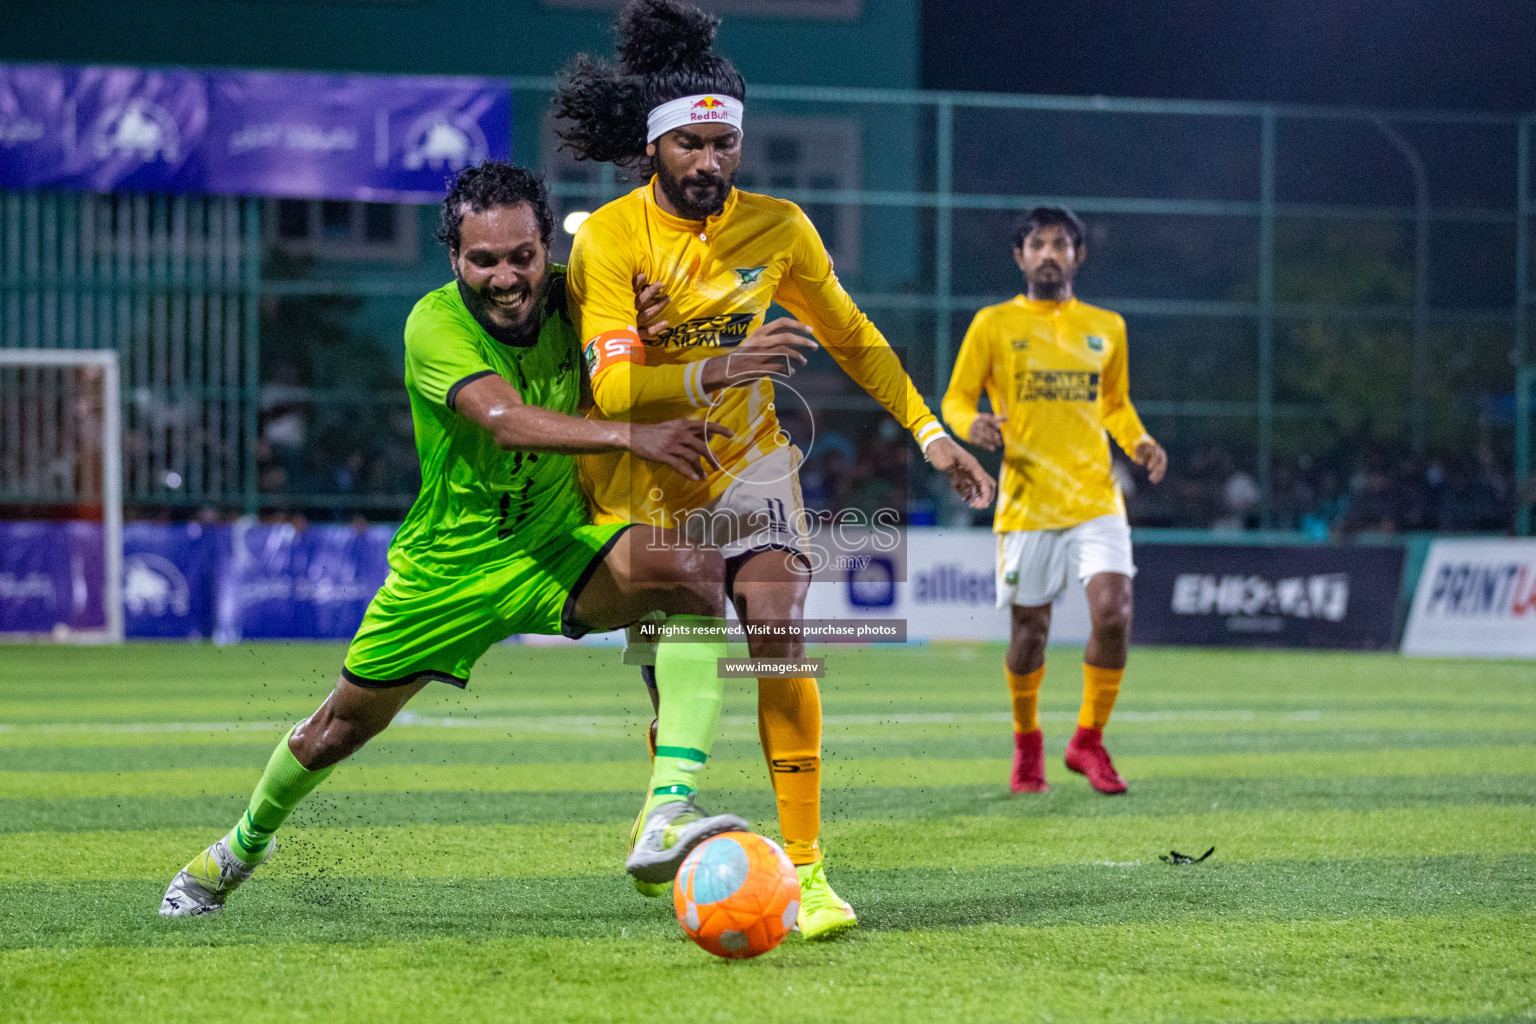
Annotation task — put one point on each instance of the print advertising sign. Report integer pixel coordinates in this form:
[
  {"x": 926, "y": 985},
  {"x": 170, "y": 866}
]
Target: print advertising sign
[{"x": 1475, "y": 598}]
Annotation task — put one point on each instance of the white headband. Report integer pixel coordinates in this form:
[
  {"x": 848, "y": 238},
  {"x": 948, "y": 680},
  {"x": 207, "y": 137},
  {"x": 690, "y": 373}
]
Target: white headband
[{"x": 702, "y": 109}]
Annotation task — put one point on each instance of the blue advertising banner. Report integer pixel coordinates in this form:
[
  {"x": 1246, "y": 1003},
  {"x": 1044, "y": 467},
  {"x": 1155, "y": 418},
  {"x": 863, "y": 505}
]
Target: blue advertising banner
[
  {"x": 365, "y": 137},
  {"x": 51, "y": 577},
  {"x": 169, "y": 576},
  {"x": 278, "y": 582},
  {"x": 1253, "y": 596}
]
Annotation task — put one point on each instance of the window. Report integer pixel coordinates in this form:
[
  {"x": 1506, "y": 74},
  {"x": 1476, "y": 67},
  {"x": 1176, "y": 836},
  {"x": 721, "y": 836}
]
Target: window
[
  {"x": 344, "y": 230},
  {"x": 809, "y": 153}
]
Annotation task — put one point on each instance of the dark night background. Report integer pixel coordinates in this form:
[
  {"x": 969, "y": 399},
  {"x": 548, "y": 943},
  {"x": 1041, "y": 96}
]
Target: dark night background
[
  {"x": 1475, "y": 54},
  {"x": 1342, "y": 458}
]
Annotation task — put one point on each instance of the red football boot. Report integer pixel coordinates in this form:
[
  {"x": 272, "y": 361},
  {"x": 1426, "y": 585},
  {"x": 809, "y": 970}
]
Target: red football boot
[
  {"x": 1028, "y": 763},
  {"x": 1086, "y": 756}
]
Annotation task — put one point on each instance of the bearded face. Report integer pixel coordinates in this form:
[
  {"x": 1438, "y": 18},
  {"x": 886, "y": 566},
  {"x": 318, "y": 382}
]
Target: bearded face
[
  {"x": 696, "y": 168},
  {"x": 502, "y": 270}
]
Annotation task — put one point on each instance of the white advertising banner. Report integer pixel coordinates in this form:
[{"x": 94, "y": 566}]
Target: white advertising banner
[
  {"x": 1475, "y": 598},
  {"x": 941, "y": 582},
  {"x": 949, "y": 590}
]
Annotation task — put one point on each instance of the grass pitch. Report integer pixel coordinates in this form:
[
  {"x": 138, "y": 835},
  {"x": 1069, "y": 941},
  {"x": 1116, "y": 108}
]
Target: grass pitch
[{"x": 1372, "y": 816}]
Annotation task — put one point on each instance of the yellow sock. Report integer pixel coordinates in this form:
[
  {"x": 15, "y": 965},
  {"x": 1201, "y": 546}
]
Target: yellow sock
[
  {"x": 1100, "y": 688},
  {"x": 789, "y": 724},
  {"x": 1025, "y": 691}
]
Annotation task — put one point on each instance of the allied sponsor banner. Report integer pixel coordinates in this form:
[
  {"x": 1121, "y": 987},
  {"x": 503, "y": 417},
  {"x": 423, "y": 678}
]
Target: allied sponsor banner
[
  {"x": 1475, "y": 598},
  {"x": 52, "y": 578},
  {"x": 942, "y": 582},
  {"x": 367, "y": 137},
  {"x": 276, "y": 582},
  {"x": 1242, "y": 595},
  {"x": 169, "y": 576}
]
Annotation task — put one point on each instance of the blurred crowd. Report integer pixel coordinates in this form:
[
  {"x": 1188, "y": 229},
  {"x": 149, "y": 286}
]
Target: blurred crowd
[
  {"x": 1325, "y": 499},
  {"x": 1330, "y": 498},
  {"x": 867, "y": 463}
]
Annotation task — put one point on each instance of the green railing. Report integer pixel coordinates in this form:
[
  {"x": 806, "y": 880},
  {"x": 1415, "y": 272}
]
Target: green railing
[{"x": 932, "y": 205}]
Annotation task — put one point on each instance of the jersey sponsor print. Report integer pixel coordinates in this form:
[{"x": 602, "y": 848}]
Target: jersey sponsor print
[{"x": 1058, "y": 371}]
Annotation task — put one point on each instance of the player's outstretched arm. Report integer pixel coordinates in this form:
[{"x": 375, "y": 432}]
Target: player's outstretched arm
[
  {"x": 966, "y": 476},
  {"x": 494, "y": 404},
  {"x": 1120, "y": 417}
]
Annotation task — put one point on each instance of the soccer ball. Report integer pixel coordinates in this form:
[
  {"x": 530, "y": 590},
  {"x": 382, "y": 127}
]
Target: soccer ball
[{"x": 737, "y": 895}]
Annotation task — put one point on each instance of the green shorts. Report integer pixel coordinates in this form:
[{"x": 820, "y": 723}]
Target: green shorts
[{"x": 439, "y": 627}]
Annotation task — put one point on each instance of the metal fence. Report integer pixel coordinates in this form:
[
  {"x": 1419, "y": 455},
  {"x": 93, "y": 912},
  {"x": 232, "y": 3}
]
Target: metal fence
[
  {"x": 171, "y": 284},
  {"x": 1293, "y": 277}
]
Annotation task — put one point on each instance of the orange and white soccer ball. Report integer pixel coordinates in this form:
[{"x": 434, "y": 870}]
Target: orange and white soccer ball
[{"x": 737, "y": 895}]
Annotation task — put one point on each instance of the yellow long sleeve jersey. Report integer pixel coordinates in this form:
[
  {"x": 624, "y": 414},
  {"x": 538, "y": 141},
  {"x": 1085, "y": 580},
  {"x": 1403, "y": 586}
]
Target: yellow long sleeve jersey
[
  {"x": 721, "y": 276},
  {"x": 1058, "y": 371}
]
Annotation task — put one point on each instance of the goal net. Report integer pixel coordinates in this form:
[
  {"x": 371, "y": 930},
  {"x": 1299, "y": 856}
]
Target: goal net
[{"x": 61, "y": 505}]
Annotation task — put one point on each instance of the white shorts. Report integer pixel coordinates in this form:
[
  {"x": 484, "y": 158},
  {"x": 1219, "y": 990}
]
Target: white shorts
[
  {"x": 761, "y": 509},
  {"x": 1033, "y": 565}
]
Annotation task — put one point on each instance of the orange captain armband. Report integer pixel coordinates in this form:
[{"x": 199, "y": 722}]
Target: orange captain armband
[{"x": 613, "y": 347}]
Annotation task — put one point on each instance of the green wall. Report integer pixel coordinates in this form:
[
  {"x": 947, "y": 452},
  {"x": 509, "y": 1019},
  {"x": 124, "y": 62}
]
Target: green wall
[
  {"x": 503, "y": 38},
  {"x": 490, "y": 37}
]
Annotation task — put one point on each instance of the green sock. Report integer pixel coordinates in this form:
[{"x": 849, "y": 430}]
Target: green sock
[
  {"x": 689, "y": 714},
  {"x": 282, "y": 786}
]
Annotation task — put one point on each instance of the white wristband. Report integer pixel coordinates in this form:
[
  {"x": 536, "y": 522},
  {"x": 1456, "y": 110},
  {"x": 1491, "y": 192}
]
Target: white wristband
[
  {"x": 936, "y": 435},
  {"x": 693, "y": 383}
]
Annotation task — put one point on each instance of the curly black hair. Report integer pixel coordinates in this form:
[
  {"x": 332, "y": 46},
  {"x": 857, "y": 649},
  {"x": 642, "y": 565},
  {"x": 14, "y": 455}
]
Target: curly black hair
[
  {"x": 1040, "y": 216},
  {"x": 490, "y": 184},
  {"x": 663, "y": 50}
]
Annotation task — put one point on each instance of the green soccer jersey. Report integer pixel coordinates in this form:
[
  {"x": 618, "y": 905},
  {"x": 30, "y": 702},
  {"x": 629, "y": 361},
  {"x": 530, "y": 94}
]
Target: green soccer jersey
[{"x": 479, "y": 504}]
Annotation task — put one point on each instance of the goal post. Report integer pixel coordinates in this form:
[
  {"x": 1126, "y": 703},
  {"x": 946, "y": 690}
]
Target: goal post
[{"x": 61, "y": 444}]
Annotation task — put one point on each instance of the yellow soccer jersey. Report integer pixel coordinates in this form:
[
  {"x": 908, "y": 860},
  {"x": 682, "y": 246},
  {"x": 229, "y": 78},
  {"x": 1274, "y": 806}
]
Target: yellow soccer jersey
[
  {"x": 1058, "y": 371},
  {"x": 721, "y": 276}
]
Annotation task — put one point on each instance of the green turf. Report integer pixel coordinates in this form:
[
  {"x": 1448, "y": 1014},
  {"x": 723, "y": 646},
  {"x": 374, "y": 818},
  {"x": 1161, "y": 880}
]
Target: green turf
[{"x": 1374, "y": 819}]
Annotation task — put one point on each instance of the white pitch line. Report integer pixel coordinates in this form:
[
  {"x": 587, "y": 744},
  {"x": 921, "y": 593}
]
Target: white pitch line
[{"x": 594, "y": 724}]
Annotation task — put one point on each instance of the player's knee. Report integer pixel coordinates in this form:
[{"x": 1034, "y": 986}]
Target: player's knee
[
  {"x": 1030, "y": 625},
  {"x": 696, "y": 585},
  {"x": 1111, "y": 616}
]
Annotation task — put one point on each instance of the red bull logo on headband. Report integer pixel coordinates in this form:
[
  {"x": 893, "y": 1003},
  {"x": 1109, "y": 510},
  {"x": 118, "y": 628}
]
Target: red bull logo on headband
[
  {"x": 699, "y": 109},
  {"x": 708, "y": 109}
]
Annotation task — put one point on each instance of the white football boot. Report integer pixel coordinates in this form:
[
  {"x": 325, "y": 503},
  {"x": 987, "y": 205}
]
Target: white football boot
[
  {"x": 662, "y": 841},
  {"x": 203, "y": 885}
]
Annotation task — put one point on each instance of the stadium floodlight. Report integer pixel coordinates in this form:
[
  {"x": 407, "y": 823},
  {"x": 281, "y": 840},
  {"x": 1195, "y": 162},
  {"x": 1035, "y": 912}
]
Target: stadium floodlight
[{"x": 61, "y": 459}]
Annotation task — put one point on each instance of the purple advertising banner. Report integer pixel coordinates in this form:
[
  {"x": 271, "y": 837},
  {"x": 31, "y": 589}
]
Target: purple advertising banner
[
  {"x": 51, "y": 577},
  {"x": 366, "y": 137},
  {"x": 278, "y": 582},
  {"x": 101, "y": 129},
  {"x": 169, "y": 574}
]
